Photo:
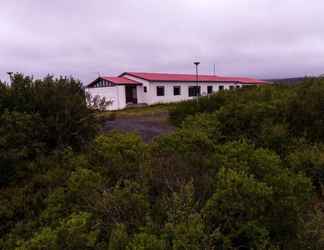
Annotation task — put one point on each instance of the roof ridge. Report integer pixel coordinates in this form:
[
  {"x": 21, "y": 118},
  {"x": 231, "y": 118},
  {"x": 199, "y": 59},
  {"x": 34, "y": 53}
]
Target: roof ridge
[
  {"x": 162, "y": 73},
  {"x": 164, "y": 77}
]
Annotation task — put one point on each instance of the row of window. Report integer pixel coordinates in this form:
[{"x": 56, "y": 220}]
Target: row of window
[{"x": 192, "y": 90}]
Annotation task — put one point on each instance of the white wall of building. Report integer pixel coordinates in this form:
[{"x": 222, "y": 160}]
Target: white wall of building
[
  {"x": 115, "y": 94},
  {"x": 152, "y": 98}
]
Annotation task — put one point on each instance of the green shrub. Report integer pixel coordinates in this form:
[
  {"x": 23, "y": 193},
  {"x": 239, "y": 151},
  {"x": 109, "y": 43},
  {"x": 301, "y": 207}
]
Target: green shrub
[
  {"x": 309, "y": 159},
  {"x": 119, "y": 156},
  {"x": 60, "y": 105},
  {"x": 239, "y": 172}
]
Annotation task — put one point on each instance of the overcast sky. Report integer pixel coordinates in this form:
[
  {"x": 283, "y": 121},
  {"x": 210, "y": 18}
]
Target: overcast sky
[{"x": 257, "y": 38}]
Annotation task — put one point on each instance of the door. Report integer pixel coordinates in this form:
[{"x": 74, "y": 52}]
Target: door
[{"x": 131, "y": 94}]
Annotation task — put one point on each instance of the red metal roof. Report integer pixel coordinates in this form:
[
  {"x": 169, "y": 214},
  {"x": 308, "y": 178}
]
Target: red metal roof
[
  {"x": 119, "y": 80},
  {"x": 115, "y": 80},
  {"x": 160, "y": 77}
]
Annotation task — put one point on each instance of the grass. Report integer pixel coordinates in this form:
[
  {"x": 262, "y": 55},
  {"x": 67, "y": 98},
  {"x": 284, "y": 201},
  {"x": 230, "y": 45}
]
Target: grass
[
  {"x": 157, "y": 112},
  {"x": 153, "y": 110}
]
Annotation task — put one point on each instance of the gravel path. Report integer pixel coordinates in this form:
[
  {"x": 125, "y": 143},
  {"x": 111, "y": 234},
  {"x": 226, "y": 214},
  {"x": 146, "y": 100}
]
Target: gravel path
[{"x": 147, "y": 128}]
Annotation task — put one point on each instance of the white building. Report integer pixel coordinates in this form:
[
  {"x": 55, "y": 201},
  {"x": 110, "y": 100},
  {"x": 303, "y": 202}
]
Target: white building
[{"x": 152, "y": 88}]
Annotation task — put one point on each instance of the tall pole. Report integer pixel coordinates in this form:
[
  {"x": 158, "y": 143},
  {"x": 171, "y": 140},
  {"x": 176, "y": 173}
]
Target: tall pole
[{"x": 197, "y": 87}]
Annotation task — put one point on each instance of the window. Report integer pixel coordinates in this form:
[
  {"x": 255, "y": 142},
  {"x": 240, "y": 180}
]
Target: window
[
  {"x": 194, "y": 90},
  {"x": 238, "y": 86},
  {"x": 160, "y": 90},
  {"x": 231, "y": 87},
  {"x": 176, "y": 90},
  {"x": 145, "y": 89},
  {"x": 221, "y": 87},
  {"x": 209, "y": 89}
]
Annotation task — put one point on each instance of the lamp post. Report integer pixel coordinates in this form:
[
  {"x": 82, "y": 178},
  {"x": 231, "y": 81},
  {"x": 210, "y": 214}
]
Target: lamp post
[{"x": 197, "y": 87}]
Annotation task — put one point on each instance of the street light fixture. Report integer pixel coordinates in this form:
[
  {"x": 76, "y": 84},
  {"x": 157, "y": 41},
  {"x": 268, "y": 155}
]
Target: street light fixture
[{"x": 197, "y": 87}]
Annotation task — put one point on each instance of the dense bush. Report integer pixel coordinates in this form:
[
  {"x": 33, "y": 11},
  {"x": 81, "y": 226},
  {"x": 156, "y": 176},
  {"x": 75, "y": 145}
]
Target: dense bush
[
  {"x": 38, "y": 116},
  {"x": 243, "y": 170},
  {"x": 60, "y": 104}
]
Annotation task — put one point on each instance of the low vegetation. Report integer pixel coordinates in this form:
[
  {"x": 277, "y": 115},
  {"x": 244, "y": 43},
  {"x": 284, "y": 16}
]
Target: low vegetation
[
  {"x": 243, "y": 170},
  {"x": 157, "y": 112}
]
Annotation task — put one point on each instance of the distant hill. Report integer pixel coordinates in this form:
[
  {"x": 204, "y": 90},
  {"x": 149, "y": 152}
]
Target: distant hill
[{"x": 287, "y": 81}]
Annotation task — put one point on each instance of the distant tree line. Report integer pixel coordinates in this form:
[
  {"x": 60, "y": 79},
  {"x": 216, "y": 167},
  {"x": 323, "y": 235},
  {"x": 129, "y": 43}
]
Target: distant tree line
[{"x": 243, "y": 170}]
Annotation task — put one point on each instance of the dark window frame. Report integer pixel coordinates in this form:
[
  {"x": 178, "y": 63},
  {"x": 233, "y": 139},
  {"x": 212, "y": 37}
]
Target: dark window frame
[
  {"x": 209, "y": 89},
  {"x": 160, "y": 88},
  {"x": 194, "y": 91},
  {"x": 221, "y": 87},
  {"x": 176, "y": 90},
  {"x": 145, "y": 89}
]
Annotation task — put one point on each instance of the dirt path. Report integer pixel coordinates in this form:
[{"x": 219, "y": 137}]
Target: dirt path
[{"x": 146, "y": 127}]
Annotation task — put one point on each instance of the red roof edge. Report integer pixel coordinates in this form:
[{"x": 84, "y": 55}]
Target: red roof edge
[
  {"x": 132, "y": 74},
  {"x": 160, "y": 77},
  {"x": 115, "y": 80}
]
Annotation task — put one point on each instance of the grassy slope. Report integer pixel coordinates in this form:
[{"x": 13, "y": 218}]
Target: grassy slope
[{"x": 158, "y": 112}]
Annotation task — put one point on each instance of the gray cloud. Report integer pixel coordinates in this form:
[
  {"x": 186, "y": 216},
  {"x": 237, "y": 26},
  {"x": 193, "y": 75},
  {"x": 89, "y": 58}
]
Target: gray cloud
[{"x": 260, "y": 38}]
